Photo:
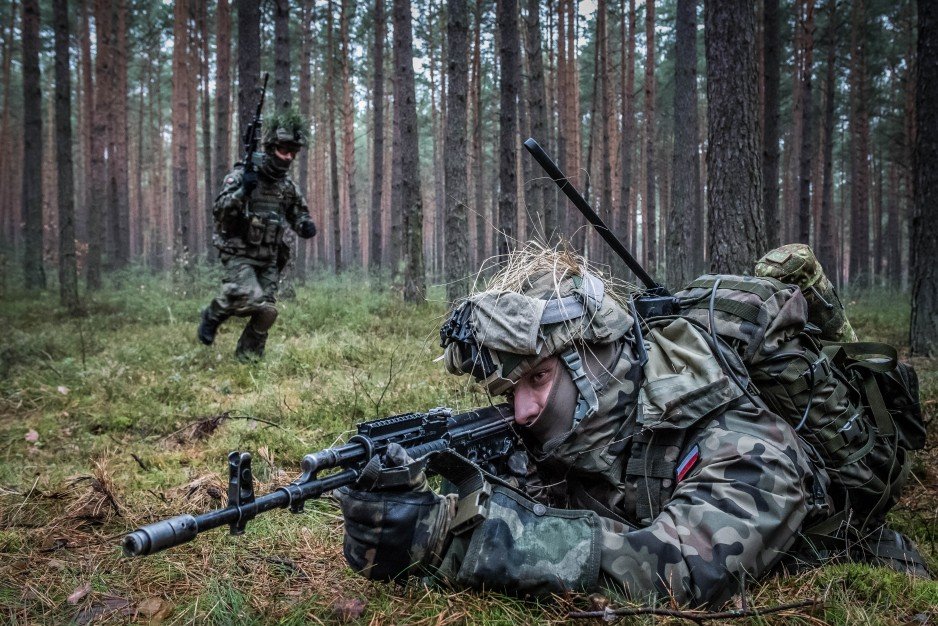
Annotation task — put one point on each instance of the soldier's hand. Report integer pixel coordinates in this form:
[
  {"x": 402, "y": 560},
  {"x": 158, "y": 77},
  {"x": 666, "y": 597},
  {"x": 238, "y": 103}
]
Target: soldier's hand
[
  {"x": 248, "y": 183},
  {"x": 397, "y": 527},
  {"x": 306, "y": 229}
]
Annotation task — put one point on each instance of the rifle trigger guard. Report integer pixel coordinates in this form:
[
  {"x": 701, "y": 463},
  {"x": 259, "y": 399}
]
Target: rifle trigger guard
[{"x": 240, "y": 490}]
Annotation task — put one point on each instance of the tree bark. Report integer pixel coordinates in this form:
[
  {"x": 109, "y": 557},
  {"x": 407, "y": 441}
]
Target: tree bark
[
  {"x": 222, "y": 156},
  {"x": 807, "y": 128},
  {"x": 68, "y": 268},
  {"x": 333, "y": 148},
  {"x": 456, "y": 194},
  {"x": 282, "y": 91},
  {"x": 734, "y": 167},
  {"x": 31, "y": 208},
  {"x": 182, "y": 247},
  {"x": 860, "y": 137},
  {"x": 377, "y": 130},
  {"x": 826, "y": 252},
  {"x": 405, "y": 102},
  {"x": 249, "y": 61},
  {"x": 649, "y": 215},
  {"x": 685, "y": 220},
  {"x": 348, "y": 124},
  {"x": 626, "y": 141},
  {"x": 306, "y": 11},
  {"x": 772, "y": 59},
  {"x": 924, "y": 326},
  {"x": 507, "y": 26}
]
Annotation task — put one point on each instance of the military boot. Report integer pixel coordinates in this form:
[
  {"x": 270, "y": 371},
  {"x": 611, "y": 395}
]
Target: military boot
[
  {"x": 209, "y": 325},
  {"x": 254, "y": 336}
]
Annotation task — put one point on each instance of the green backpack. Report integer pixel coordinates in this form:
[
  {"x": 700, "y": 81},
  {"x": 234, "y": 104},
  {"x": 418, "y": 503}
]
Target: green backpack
[{"x": 855, "y": 404}]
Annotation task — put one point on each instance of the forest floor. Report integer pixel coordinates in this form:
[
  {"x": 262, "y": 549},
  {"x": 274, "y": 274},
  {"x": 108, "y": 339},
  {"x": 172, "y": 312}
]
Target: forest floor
[{"x": 120, "y": 417}]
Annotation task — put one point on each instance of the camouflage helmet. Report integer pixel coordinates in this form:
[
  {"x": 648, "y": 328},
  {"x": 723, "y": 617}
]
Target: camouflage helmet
[
  {"x": 285, "y": 127},
  {"x": 543, "y": 303}
]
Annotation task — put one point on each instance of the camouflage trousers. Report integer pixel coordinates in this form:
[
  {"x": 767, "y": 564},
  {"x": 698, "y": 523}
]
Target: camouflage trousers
[{"x": 247, "y": 285}]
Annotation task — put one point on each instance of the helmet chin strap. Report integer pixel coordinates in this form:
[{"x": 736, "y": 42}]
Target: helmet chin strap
[{"x": 573, "y": 396}]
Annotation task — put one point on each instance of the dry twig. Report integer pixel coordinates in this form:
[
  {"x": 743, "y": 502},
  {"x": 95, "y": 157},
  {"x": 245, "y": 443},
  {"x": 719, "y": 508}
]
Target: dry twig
[{"x": 698, "y": 617}]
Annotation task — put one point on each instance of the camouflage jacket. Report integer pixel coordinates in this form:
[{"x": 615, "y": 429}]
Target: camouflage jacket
[
  {"x": 688, "y": 489},
  {"x": 257, "y": 233}
]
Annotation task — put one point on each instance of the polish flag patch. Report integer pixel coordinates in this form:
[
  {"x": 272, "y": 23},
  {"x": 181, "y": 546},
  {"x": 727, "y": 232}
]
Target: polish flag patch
[{"x": 686, "y": 465}]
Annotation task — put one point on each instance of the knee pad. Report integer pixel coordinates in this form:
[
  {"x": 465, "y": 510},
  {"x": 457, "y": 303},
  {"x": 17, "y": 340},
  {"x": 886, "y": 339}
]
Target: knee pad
[{"x": 263, "y": 318}]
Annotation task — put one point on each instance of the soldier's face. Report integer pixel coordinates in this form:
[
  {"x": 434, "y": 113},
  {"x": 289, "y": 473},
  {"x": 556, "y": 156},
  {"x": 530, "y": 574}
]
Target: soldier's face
[
  {"x": 286, "y": 153},
  {"x": 531, "y": 392}
]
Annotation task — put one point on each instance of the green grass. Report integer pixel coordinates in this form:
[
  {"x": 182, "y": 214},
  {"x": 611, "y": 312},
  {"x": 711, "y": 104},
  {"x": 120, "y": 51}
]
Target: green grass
[{"x": 112, "y": 396}]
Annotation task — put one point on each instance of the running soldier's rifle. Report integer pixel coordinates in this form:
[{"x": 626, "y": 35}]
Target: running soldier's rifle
[
  {"x": 656, "y": 299},
  {"x": 484, "y": 436},
  {"x": 251, "y": 133}
]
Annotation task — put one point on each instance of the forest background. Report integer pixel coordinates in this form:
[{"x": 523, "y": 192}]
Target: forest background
[{"x": 704, "y": 133}]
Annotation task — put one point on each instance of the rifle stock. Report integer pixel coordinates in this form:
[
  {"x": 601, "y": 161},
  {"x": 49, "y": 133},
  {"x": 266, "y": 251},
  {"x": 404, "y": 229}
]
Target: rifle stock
[{"x": 484, "y": 436}]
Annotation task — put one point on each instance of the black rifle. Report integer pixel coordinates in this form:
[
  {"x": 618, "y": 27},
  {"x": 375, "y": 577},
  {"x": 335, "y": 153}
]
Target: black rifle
[
  {"x": 656, "y": 300},
  {"x": 484, "y": 436},
  {"x": 250, "y": 141}
]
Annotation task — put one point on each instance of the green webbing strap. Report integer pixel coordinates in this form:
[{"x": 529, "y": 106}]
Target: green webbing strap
[
  {"x": 755, "y": 287},
  {"x": 742, "y": 310}
]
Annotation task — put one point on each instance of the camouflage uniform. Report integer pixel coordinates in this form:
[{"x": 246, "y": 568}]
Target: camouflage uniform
[
  {"x": 641, "y": 521},
  {"x": 251, "y": 242},
  {"x": 671, "y": 484}
]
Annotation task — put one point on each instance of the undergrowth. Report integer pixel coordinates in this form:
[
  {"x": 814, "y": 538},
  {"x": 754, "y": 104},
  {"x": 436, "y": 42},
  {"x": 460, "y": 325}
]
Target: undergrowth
[{"x": 119, "y": 417}]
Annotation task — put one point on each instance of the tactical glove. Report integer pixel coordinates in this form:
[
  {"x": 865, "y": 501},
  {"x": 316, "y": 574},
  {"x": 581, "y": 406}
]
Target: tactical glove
[
  {"x": 399, "y": 526},
  {"x": 248, "y": 183},
  {"x": 306, "y": 229}
]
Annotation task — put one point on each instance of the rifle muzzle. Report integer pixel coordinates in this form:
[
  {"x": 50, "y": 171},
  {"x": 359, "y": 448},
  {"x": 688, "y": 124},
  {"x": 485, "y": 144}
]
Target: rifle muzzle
[{"x": 160, "y": 535}]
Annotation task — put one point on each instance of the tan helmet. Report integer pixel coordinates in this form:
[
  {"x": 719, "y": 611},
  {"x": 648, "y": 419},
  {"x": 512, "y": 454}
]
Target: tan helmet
[{"x": 542, "y": 304}]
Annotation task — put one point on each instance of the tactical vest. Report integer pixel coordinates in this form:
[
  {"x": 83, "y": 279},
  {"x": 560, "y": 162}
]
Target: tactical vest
[
  {"x": 853, "y": 403},
  {"x": 259, "y": 234}
]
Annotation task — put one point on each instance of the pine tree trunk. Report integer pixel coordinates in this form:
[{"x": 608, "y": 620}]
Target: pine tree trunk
[
  {"x": 685, "y": 220},
  {"x": 456, "y": 193},
  {"x": 860, "y": 132},
  {"x": 249, "y": 61},
  {"x": 208, "y": 184},
  {"x": 68, "y": 268},
  {"x": 411, "y": 203},
  {"x": 333, "y": 148},
  {"x": 282, "y": 95},
  {"x": 825, "y": 236},
  {"x": 222, "y": 157},
  {"x": 807, "y": 128},
  {"x": 182, "y": 243},
  {"x": 377, "y": 158},
  {"x": 8, "y": 217},
  {"x": 924, "y": 327},
  {"x": 626, "y": 141},
  {"x": 31, "y": 199},
  {"x": 303, "y": 245},
  {"x": 348, "y": 123},
  {"x": 483, "y": 224},
  {"x": 734, "y": 167},
  {"x": 772, "y": 59},
  {"x": 507, "y": 25},
  {"x": 649, "y": 215}
]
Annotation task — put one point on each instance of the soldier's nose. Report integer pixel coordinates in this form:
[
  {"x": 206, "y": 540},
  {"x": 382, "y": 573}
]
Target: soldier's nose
[{"x": 526, "y": 409}]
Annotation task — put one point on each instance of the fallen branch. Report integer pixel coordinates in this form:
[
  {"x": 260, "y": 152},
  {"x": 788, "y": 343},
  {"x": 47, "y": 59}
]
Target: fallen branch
[{"x": 698, "y": 617}]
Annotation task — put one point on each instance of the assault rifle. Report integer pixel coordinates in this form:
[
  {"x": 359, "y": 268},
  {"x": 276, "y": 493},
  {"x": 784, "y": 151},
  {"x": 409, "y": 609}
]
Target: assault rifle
[
  {"x": 250, "y": 145},
  {"x": 484, "y": 436},
  {"x": 656, "y": 299}
]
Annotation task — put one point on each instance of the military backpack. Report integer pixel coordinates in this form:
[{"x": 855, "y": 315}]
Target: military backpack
[{"x": 854, "y": 404}]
